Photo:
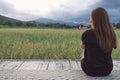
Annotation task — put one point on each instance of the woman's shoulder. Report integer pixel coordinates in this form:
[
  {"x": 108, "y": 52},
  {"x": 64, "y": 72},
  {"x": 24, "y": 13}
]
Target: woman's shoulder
[{"x": 88, "y": 32}]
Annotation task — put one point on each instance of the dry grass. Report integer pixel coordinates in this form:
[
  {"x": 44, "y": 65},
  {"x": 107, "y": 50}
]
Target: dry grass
[{"x": 42, "y": 43}]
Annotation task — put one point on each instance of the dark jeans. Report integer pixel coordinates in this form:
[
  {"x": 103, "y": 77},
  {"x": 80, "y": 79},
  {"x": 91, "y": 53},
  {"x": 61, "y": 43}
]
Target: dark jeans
[{"x": 96, "y": 72}]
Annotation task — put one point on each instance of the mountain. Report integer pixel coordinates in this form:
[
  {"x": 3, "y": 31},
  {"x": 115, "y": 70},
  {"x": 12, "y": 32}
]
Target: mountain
[
  {"x": 39, "y": 20},
  {"x": 46, "y": 21},
  {"x": 79, "y": 20},
  {"x": 5, "y": 19}
]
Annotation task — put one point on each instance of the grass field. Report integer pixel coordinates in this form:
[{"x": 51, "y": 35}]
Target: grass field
[{"x": 23, "y": 43}]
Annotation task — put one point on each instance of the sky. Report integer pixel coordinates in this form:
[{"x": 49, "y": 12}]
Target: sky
[{"x": 70, "y": 10}]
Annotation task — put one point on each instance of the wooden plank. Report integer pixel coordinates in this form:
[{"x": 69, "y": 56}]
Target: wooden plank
[
  {"x": 40, "y": 65},
  {"x": 79, "y": 64},
  {"x": 52, "y": 65},
  {"x": 116, "y": 65},
  {"x": 55, "y": 65},
  {"x": 3, "y": 64},
  {"x": 66, "y": 65},
  {"x": 59, "y": 65},
  {"x": 74, "y": 65},
  {"x": 29, "y": 65},
  {"x": 13, "y": 65},
  {"x": 44, "y": 65}
]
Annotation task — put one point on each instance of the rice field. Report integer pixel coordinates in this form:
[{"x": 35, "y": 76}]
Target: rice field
[{"x": 26, "y": 43}]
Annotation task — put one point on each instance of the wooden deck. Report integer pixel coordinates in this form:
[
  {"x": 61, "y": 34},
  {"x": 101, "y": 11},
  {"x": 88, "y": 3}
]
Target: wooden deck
[
  {"x": 40, "y": 64},
  {"x": 48, "y": 70}
]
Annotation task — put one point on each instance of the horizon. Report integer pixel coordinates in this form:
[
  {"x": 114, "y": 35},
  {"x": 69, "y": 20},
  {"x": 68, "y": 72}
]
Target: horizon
[{"x": 66, "y": 10}]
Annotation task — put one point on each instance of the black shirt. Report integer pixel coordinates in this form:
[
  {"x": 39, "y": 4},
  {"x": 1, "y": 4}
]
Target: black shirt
[{"x": 94, "y": 57}]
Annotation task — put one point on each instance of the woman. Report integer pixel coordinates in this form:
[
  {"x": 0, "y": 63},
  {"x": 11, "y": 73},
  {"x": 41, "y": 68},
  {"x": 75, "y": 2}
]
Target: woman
[{"x": 97, "y": 44}]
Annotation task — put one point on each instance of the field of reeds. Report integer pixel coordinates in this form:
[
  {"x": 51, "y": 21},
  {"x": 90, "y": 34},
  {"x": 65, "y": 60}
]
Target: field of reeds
[{"x": 26, "y": 43}]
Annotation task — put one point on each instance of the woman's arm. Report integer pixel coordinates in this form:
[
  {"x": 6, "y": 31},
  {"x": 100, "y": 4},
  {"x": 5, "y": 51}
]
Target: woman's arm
[{"x": 83, "y": 47}]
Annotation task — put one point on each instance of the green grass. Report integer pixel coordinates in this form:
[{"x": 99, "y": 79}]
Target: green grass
[{"x": 26, "y": 43}]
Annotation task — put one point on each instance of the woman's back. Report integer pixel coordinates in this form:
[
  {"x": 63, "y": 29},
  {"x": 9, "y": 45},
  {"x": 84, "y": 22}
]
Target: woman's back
[
  {"x": 95, "y": 62},
  {"x": 94, "y": 56}
]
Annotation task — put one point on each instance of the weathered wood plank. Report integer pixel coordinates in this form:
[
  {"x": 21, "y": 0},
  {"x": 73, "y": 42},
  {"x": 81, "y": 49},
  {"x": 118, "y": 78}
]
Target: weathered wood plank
[
  {"x": 43, "y": 65},
  {"x": 52, "y": 65},
  {"x": 3, "y": 64},
  {"x": 79, "y": 64},
  {"x": 59, "y": 65},
  {"x": 55, "y": 65},
  {"x": 116, "y": 65},
  {"x": 66, "y": 65},
  {"x": 40, "y": 65},
  {"x": 29, "y": 65},
  {"x": 74, "y": 65},
  {"x": 14, "y": 65}
]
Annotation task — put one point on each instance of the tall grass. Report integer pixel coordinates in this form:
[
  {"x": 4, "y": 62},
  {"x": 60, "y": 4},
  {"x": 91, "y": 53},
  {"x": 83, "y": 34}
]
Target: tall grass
[
  {"x": 18, "y": 43},
  {"x": 39, "y": 43}
]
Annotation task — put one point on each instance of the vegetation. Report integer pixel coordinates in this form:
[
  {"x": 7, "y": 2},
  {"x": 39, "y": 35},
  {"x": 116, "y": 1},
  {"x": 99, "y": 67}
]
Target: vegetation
[
  {"x": 39, "y": 43},
  {"x": 33, "y": 24},
  {"x": 31, "y": 43},
  {"x": 117, "y": 25}
]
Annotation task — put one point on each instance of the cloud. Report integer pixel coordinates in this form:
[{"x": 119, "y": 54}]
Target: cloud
[
  {"x": 5, "y": 8},
  {"x": 9, "y": 10},
  {"x": 112, "y": 7},
  {"x": 56, "y": 9},
  {"x": 71, "y": 10},
  {"x": 111, "y": 4},
  {"x": 79, "y": 12}
]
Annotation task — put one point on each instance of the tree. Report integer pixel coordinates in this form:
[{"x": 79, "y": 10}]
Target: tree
[
  {"x": 118, "y": 25},
  {"x": 19, "y": 23}
]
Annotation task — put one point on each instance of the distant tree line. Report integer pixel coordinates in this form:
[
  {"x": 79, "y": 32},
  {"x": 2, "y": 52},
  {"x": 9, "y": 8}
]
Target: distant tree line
[
  {"x": 42, "y": 25},
  {"x": 117, "y": 25},
  {"x": 35, "y": 24}
]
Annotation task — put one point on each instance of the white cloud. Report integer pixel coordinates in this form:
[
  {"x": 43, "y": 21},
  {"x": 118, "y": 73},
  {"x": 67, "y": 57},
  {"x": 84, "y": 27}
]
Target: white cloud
[{"x": 50, "y": 8}]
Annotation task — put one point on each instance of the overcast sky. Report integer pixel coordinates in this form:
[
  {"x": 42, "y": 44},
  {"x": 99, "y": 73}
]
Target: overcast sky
[{"x": 57, "y": 9}]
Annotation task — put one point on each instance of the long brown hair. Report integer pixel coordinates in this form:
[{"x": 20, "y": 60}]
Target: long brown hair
[{"x": 103, "y": 28}]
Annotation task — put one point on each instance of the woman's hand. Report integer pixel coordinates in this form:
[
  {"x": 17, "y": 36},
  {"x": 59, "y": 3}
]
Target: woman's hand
[
  {"x": 82, "y": 46},
  {"x": 82, "y": 54}
]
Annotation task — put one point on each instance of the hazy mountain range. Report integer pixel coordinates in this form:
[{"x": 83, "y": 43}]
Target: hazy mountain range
[
  {"x": 4, "y": 18},
  {"x": 39, "y": 20}
]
